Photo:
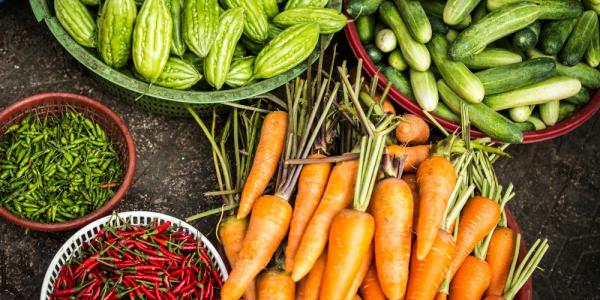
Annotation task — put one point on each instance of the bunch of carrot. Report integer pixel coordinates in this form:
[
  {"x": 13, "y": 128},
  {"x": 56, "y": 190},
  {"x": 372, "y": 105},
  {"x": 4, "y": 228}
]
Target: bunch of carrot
[{"x": 389, "y": 216}]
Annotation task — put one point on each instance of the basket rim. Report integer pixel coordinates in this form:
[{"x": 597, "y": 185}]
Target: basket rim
[
  {"x": 140, "y": 213},
  {"x": 37, "y": 99}
]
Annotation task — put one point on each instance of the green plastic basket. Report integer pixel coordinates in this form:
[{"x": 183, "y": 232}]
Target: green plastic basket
[{"x": 157, "y": 99}]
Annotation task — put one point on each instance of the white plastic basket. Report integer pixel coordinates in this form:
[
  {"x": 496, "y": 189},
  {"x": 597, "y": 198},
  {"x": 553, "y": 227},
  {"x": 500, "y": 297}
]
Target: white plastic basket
[{"x": 73, "y": 245}]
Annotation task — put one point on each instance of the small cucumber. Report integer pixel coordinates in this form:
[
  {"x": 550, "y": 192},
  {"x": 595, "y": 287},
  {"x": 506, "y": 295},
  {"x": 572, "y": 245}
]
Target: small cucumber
[
  {"x": 592, "y": 55},
  {"x": 396, "y": 61},
  {"x": 527, "y": 37},
  {"x": 555, "y": 88},
  {"x": 492, "y": 57},
  {"x": 457, "y": 10},
  {"x": 442, "y": 111},
  {"x": 582, "y": 97},
  {"x": 580, "y": 39},
  {"x": 398, "y": 81},
  {"x": 551, "y": 9},
  {"x": 357, "y": 8},
  {"x": 456, "y": 74},
  {"x": 588, "y": 76},
  {"x": 479, "y": 12},
  {"x": 521, "y": 113},
  {"x": 554, "y": 34},
  {"x": 537, "y": 123},
  {"x": 415, "y": 19},
  {"x": 593, "y": 5},
  {"x": 386, "y": 40},
  {"x": 374, "y": 53},
  {"x": 436, "y": 8},
  {"x": 549, "y": 112},
  {"x": 566, "y": 110},
  {"x": 487, "y": 120},
  {"x": 525, "y": 126},
  {"x": 451, "y": 35},
  {"x": 437, "y": 25},
  {"x": 365, "y": 25},
  {"x": 509, "y": 77},
  {"x": 425, "y": 89}
]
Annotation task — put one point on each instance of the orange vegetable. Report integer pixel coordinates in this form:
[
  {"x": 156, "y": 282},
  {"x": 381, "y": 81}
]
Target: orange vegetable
[
  {"x": 411, "y": 180},
  {"x": 311, "y": 185},
  {"x": 356, "y": 297},
  {"x": 266, "y": 160},
  {"x": 301, "y": 289},
  {"x": 499, "y": 257},
  {"x": 362, "y": 272},
  {"x": 231, "y": 233},
  {"x": 276, "y": 285},
  {"x": 441, "y": 296},
  {"x": 413, "y": 130},
  {"x": 370, "y": 288},
  {"x": 471, "y": 280},
  {"x": 388, "y": 107},
  {"x": 315, "y": 278},
  {"x": 492, "y": 297},
  {"x": 415, "y": 155}
]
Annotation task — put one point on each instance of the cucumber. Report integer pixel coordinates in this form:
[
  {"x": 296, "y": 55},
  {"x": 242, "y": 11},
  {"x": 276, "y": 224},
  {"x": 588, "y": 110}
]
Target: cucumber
[
  {"x": 365, "y": 26},
  {"x": 396, "y": 61},
  {"x": 580, "y": 39},
  {"x": 492, "y": 123},
  {"x": 425, "y": 89},
  {"x": 415, "y": 53},
  {"x": 357, "y": 8},
  {"x": 398, "y": 81},
  {"x": 385, "y": 40},
  {"x": 492, "y": 27},
  {"x": 437, "y": 25},
  {"x": 451, "y": 35},
  {"x": 521, "y": 113},
  {"x": 492, "y": 57},
  {"x": 537, "y": 123},
  {"x": 527, "y": 37},
  {"x": 593, "y": 5},
  {"x": 549, "y": 112},
  {"x": 415, "y": 19},
  {"x": 592, "y": 55},
  {"x": 442, "y": 111},
  {"x": 565, "y": 110},
  {"x": 554, "y": 88},
  {"x": 551, "y": 9},
  {"x": 554, "y": 34},
  {"x": 582, "y": 97},
  {"x": 525, "y": 126},
  {"x": 588, "y": 76},
  {"x": 374, "y": 53},
  {"x": 456, "y": 74},
  {"x": 457, "y": 10},
  {"x": 436, "y": 8},
  {"x": 505, "y": 78},
  {"x": 479, "y": 12}
]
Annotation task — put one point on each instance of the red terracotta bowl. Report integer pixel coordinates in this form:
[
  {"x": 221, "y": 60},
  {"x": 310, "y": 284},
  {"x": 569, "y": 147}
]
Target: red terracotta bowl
[
  {"x": 565, "y": 126},
  {"x": 56, "y": 103}
]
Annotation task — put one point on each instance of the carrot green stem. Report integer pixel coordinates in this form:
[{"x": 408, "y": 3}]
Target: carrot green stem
[
  {"x": 517, "y": 278},
  {"x": 271, "y": 98},
  {"x": 211, "y": 212},
  {"x": 247, "y": 107},
  {"x": 354, "y": 98},
  {"x": 371, "y": 149},
  {"x": 222, "y": 193}
]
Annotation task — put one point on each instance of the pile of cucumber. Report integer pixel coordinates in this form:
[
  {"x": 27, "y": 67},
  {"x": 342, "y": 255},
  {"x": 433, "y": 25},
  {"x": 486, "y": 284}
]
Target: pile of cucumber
[{"x": 515, "y": 65}]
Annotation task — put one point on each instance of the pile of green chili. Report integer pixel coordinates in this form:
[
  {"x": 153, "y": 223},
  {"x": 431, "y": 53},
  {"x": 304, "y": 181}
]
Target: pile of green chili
[{"x": 57, "y": 168}]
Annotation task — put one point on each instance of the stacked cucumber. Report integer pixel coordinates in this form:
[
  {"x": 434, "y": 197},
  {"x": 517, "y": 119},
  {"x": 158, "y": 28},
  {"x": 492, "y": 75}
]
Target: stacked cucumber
[
  {"x": 515, "y": 65},
  {"x": 200, "y": 44}
]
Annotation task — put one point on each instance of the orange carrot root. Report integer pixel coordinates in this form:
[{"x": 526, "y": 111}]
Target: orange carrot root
[
  {"x": 499, "y": 257},
  {"x": 471, "y": 280},
  {"x": 411, "y": 180},
  {"x": 314, "y": 279},
  {"x": 415, "y": 155},
  {"x": 412, "y": 130},
  {"x": 275, "y": 285},
  {"x": 362, "y": 272},
  {"x": 370, "y": 288}
]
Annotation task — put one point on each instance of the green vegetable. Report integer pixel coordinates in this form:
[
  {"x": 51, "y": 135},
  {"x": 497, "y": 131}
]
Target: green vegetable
[
  {"x": 256, "y": 27},
  {"x": 554, "y": 34},
  {"x": 305, "y": 3},
  {"x": 457, "y": 10},
  {"x": 178, "y": 74},
  {"x": 555, "y": 88},
  {"x": 582, "y": 97},
  {"x": 77, "y": 21},
  {"x": 509, "y": 77},
  {"x": 398, "y": 81},
  {"x": 588, "y": 76},
  {"x": 462, "y": 81},
  {"x": 357, "y": 8},
  {"x": 442, "y": 111},
  {"x": 492, "y": 57},
  {"x": 365, "y": 25},
  {"x": 565, "y": 110},
  {"x": 270, "y": 7},
  {"x": 90, "y": 2},
  {"x": 525, "y": 126},
  {"x": 240, "y": 72},
  {"x": 436, "y": 8},
  {"x": 178, "y": 46},
  {"x": 115, "y": 29},
  {"x": 593, "y": 5},
  {"x": 549, "y": 112},
  {"x": 425, "y": 89},
  {"x": 550, "y": 9},
  {"x": 274, "y": 31},
  {"x": 152, "y": 39},
  {"x": 200, "y": 22},
  {"x": 330, "y": 20},
  {"x": 592, "y": 55},
  {"x": 437, "y": 25},
  {"x": 385, "y": 40},
  {"x": 480, "y": 11},
  {"x": 451, "y": 35},
  {"x": 521, "y": 113},
  {"x": 537, "y": 123},
  {"x": 580, "y": 39},
  {"x": 374, "y": 53},
  {"x": 416, "y": 21},
  {"x": 414, "y": 53},
  {"x": 487, "y": 120},
  {"x": 396, "y": 61},
  {"x": 527, "y": 37}
]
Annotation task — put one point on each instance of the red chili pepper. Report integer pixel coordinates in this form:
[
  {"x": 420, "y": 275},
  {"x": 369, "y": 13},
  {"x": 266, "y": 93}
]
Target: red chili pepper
[
  {"x": 187, "y": 294},
  {"x": 170, "y": 295},
  {"x": 157, "y": 292},
  {"x": 126, "y": 264},
  {"x": 208, "y": 291},
  {"x": 162, "y": 242},
  {"x": 96, "y": 294},
  {"x": 147, "y": 292},
  {"x": 162, "y": 227},
  {"x": 110, "y": 293},
  {"x": 158, "y": 259},
  {"x": 179, "y": 287},
  {"x": 87, "y": 262},
  {"x": 100, "y": 233},
  {"x": 145, "y": 277},
  {"x": 217, "y": 277},
  {"x": 169, "y": 253}
]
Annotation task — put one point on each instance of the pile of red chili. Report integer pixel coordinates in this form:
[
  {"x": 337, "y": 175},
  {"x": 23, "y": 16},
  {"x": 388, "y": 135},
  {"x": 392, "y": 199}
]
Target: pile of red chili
[{"x": 146, "y": 262}]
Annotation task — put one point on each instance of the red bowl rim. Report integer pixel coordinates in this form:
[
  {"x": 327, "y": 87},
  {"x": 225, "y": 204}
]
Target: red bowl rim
[
  {"x": 127, "y": 178},
  {"x": 565, "y": 126}
]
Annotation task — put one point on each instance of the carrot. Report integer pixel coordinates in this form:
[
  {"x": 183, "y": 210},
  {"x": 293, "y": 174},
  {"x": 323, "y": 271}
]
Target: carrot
[
  {"x": 266, "y": 159},
  {"x": 492, "y": 297},
  {"x": 337, "y": 196},
  {"x": 388, "y": 107},
  {"x": 412, "y": 130},
  {"x": 268, "y": 226},
  {"x": 499, "y": 257},
  {"x": 311, "y": 185},
  {"x": 231, "y": 233},
  {"x": 392, "y": 208},
  {"x": 362, "y": 272},
  {"x": 415, "y": 155},
  {"x": 301, "y": 289},
  {"x": 479, "y": 216},
  {"x": 315, "y": 278},
  {"x": 426, "y": 275},
  {"x": 370, "y": 288},
  {"x": 356, "y": 297},
  {"x": 471, "y": 280},
  {"x": 436, "y": 178},
  {"x": 349, "y": 241},
  {"x": 441, "y": 296},
  {"x": 276, "y": 285},
  {"x": 411, "y": 180}
]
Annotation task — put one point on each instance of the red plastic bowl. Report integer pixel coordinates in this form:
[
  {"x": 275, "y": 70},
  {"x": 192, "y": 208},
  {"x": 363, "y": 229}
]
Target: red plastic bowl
[
  {"x": 561, "y": 128},
  {"x": 55, "y": 103}
]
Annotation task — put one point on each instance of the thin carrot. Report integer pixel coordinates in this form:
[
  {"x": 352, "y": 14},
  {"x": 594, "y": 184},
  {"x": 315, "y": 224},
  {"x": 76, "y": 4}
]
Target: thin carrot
[
  {"x": 471, "y": 280},
  {"x": 266, "y": 159},
  {"x": 311, "y": 185},
  {"x": 411, "y": 180},
  {"x": 479, "y": 216},
  {"x": 436, "y": 179},
  {"x": 356, "y": 297},
  {"x": 441, "y": 296},
  {"x": 412, "y": 130},
  {"x": 362, "y": 272},
  {"x": 388, "y": 107},
  {"x": 337, "y": 196},
  {"x": 268, "y": 226},
  {"x": 315, "y": 278},
  {"x": 301, "y": 289},
  {"x": 392, "y": 208},
  {"x": 499, "y": 257},
  {"x": 370, "y": 288},
  {"x": 426, "y": 275},
  {"x": 276, "y": 285},
  {"x": 415, "y": 155},
  {"x": 231, "y": 233}
]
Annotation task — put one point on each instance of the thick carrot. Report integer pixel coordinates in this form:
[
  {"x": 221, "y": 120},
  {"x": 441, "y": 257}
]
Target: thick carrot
[
  {"x": 268, "y": 226},
  {"x": 413, "y": 130},
  {"x": 471, "y": 280},
  {"x": 231, "y": 233},
  {"x": 415, "y": 155},
  {"x": 311, "y": 185},
  {"x": 276, "y": 285},
  {"x": 392, "y": 209},
  {"x": 315, "y": 278},
  {"x": 349, "y": 241},
  {"x": 436, "y": 178},
  {"x": 370, "y": 288},
  {"x": 337, "y": 196},
  {"x": 411, "y": 180},
  {"x": 499, "y": 256},
  {"x": 441, "y": 296},
  {"x": 266, "y": 159},
  {"x": 362, "y": 272},
  {"x": 479, "y": 216},
  {"x": 301, "y": 289},
  {"x": 356, "y": 297},
  {"x": 427, "y": 275}
]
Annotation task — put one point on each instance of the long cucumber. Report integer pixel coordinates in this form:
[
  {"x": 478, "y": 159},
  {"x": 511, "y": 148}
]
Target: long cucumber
[
  {"x": 582, "y": 97},
  {"x": 492, "y": 57},
  {"x": 580, "y": 39},
  {"x": 592, "y": 55},
  {"x": 442, "y": 111},
  {"x": 457, "y": 10},
  {"x": 505, "y": 78},
  {"x": 436, "y": 8},
  {"x": 527, "y": 37},
  {"x": 415, "y": 19},
  {"x": 398, "y": 81},
  {"x": 555, "y": 88},
  {"x": 425, "y": 89},
  {"x": 551, "y": 9},
  {"x": 588, "y": 76},
  {"x": 537, "y": 123},
  {"x": 525, "y": 126},
  {"x": 565, "y": 110},
  {"x": 554, "y": 35}
]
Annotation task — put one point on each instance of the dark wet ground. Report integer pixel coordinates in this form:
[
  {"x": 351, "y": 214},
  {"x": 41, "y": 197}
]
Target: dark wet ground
[{"x": 557, "y": 182}]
